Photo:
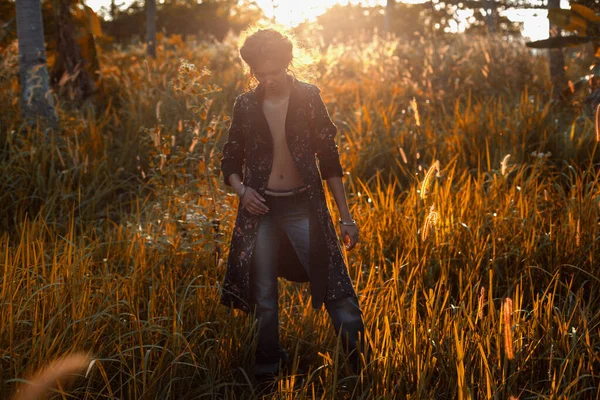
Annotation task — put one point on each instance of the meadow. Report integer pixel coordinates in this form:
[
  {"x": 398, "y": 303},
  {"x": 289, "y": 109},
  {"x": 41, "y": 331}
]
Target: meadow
[{"x": 476, "y": 194}]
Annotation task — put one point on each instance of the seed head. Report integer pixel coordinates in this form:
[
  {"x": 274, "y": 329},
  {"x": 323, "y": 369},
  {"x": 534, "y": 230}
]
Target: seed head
[
  {"x": 507, "y": 309},
  {"x": 413, "y": 105},
  {"x": 434, "y": 169},
  {"x": 504, "y": 164},
  {"x": 430, "y": 222},
  {"x": 481, "y": 303}
]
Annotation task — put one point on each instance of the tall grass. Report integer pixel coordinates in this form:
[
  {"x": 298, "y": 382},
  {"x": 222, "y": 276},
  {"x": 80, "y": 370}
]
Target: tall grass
[{"x": 115, "y": 230}]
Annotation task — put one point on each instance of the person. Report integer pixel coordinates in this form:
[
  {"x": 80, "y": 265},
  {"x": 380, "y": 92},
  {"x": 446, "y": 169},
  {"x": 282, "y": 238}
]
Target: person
[{"x": 283, "y": 226}]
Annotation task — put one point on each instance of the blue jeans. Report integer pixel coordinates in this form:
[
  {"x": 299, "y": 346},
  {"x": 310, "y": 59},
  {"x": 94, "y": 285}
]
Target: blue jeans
[{"x": 291, "y": 216}]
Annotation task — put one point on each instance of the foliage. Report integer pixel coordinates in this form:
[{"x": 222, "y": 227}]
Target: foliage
[
  {"x": 115, "y": 229},
  {"x": 579, "y": 19},
  {"x": 353, "y": 20},
  {"x": 584, "y": 26},
  {"x": 206, "y": 19},
  {"x": 501, "y": 25},
  {"x": 83, "y": 37},
  {"x": 591, "y": 4},
  {"x": 410, "y": 21}
]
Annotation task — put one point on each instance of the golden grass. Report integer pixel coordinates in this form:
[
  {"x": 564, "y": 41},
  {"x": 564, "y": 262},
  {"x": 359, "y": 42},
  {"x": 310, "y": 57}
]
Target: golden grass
[{"x": 115, "y": 231}]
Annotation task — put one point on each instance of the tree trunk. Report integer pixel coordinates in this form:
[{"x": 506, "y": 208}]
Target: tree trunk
[
  {"x": 36, "y": 98},
  {"x": 557, "y": 59},
  {"x": 432, "y": 23},
  {"x": 490, "y": 16},
  {"x": 113, "y": 10},
  {"x": 389, "y": 7},
  {"x": 151, "y": 27},
  {"x": 69, "y": 66}
]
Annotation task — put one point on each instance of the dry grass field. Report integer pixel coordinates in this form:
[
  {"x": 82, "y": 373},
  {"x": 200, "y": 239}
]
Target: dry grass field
[{"x": 476, "y": 194}]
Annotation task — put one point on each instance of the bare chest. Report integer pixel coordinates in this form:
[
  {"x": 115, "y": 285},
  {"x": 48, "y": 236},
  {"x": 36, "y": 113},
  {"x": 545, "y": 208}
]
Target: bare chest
[{"x": 275, "y": 114}]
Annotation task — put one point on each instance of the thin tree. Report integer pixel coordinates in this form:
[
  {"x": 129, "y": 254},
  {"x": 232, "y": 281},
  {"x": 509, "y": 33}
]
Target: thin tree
[
  {"x": 389, "y": 7},
  {"x": 36, "y": 99},
  {"x": 274, "y": 6},
  {"x": 490, "y": 15},
  {"x": 151, "y": 28},
  {"x": 113, "y": 10},
  {"x": 557, "y": 58}
]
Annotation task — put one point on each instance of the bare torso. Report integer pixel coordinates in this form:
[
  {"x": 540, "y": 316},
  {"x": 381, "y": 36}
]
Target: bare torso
[{"x": 284, "y": 174}]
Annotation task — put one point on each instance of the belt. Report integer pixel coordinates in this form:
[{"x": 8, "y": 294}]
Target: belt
[{"x": 285, "y": 193}]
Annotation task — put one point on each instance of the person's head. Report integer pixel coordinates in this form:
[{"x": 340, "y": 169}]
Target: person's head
[{"x": 269, "y": 54}]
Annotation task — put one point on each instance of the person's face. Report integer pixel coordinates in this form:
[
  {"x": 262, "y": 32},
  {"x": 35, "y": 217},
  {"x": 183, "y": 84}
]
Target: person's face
[{"x": 270, "y": 74}]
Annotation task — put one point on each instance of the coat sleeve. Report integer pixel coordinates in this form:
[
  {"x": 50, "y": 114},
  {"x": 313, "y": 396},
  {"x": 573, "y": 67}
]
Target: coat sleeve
[
  {"x": 324, "y": 137},
  {"x": 233, "y": 158}
]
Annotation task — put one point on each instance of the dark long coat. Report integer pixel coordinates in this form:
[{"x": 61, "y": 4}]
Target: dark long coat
[{"x": 249, "y": 153}]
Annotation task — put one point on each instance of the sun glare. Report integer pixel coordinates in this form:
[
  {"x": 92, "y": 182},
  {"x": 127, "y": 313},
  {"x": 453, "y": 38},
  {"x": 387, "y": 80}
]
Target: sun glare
[{"x": 294, "y": 12}]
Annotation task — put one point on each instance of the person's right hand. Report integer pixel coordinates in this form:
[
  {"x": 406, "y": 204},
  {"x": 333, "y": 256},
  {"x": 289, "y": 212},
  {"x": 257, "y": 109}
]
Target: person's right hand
[{"x": 254, "y": 202}]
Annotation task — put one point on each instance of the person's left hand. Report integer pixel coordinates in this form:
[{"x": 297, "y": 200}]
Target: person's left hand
[{"x": 349, "y": 235}]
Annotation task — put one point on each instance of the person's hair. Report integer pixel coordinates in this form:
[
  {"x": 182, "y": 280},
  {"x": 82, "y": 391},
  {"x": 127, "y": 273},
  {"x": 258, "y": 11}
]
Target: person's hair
[{"x": 277, "y": 44}]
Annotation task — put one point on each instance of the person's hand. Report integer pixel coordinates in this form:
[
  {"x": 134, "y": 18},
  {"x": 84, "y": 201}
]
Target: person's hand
[
  {"x": 253, "y": 202},
  {"x": 349, "y": 235}
]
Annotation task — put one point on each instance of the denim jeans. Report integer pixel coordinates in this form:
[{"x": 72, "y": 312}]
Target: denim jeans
[{"x": 291, "y": 216}]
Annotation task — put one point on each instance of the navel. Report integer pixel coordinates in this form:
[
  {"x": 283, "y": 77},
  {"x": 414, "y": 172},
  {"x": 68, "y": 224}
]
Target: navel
[{"x": 280, "y": 176}]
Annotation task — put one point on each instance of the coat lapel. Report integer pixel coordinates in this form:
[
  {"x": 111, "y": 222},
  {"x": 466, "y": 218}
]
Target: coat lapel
[
  {"x": 262, "y": 126},
  {"x": 293, "y": 132}
]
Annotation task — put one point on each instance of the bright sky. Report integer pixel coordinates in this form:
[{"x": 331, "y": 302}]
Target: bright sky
[{"x": 292, "y": 12}]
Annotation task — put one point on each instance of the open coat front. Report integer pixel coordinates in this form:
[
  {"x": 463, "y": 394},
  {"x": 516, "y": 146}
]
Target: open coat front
[{"x": 249, "y": 153}]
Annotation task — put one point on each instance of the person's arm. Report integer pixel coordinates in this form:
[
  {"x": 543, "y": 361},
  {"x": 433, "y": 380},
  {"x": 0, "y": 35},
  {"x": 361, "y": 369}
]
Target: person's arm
[
  {"x": 235, "y": 182},
  {"x": 249, "y": 197},
  {"x": 324, "y": 132},
  {"x": 232, "y": 165},
  {"x": 330, "y": 166},
  {"x": 339, "y": 194},
  {"x": 348, "y": 228}
]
